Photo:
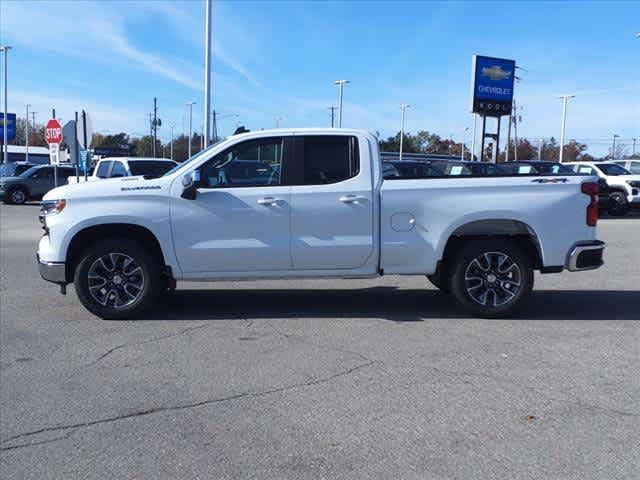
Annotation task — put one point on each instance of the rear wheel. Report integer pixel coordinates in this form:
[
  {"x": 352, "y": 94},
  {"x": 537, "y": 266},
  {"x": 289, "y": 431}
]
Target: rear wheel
[
  {"x": 18, "y": 196},
  {"x": 118, "y": 278},
  {"x": 491, "y": 278},
  {"x": 618, "y": 205}
]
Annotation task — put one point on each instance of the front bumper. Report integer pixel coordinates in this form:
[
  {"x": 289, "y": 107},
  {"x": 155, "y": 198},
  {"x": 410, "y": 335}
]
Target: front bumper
[
  {"x": 585, "y": 256},
  {"x": 55, "y": 272}
]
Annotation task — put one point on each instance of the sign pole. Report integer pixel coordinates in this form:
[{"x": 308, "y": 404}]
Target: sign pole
[
  {"x": 84, "y": 139},
  {"x": 77, "y": 160},
  {"x": 495, "y": 160},
  {"x": 55, "y": 166},
  {"x": 484, "y": 129},
  {"x": 473, "y": 139}
]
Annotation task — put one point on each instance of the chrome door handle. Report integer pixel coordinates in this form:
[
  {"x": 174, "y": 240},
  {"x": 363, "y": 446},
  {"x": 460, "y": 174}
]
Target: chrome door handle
[
  {"x": 269, "y": 201},
  {"x": 351, "y": 199}
]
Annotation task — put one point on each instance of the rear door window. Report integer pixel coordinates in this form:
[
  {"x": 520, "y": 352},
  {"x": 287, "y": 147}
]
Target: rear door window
[
  {"x": 329, "y": 159},
  {"x": 150, "y": 168},
  {"x": 103, "y": 169}
]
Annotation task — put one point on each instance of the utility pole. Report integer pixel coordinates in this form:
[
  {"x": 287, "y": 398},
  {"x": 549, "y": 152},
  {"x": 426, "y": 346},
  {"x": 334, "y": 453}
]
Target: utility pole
[
  {"x": 207, "y": 73},
  {"x": 341, "y": 84},
  {"x": 172, "y": 126},
  {"x": 508, "y": 147},
  {"x": 464, "y": 137},
  {"x": 634, "y": 147},
  {"x": 26, "y": 133},
  {"x": 333, "y": 109},
  {"x": 5, "y": 141},
  {"x": 613, "y": 147},
  {"x": 190, "y": 105},
  {"x": 515, "y": 130},
  {"x": 403, "y": 107},
  {"x": 540, "y": 143},
  {"x": 155, "y": 125},
  {"x": 564, "y": 98},
  {"x": 473, "y": 140},
  {"x": 215, "y": 128}
]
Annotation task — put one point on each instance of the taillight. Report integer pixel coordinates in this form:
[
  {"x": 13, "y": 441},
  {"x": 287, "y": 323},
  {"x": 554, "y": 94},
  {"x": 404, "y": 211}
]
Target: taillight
[{"x": 591, "y": 189}]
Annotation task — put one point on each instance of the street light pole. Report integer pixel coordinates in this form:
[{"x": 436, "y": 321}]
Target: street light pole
[
  {"x": 172, "y": 126},
  {"x": 190, "y": 105},
  {"x": 613, "y": 147},
  {"x": 5, "y": 141},
  {"x": 341, "y": 84},
  {"x": 564, "y": 98},
  {"x": 403, "y": 107},
  {"x": 540, "y": 142},
  {"x": 207, "y": 74},
  {"x": 333, "y": 109},
  {"x": 277, "y": 120},
  {"x": 464, "y": 137},
  {"x": 26, "y": 133}
]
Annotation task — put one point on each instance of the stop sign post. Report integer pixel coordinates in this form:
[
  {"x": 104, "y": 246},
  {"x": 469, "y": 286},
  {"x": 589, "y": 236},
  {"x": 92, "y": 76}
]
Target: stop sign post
[{"x": 53, "y": 136}]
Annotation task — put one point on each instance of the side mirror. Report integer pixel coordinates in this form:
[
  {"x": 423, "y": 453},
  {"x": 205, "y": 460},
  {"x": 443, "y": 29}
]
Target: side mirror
[{"x": 190, "y": 185}]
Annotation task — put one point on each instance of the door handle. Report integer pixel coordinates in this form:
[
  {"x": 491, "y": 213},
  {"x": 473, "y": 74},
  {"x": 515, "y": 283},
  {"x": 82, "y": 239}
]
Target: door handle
[
  {"x": 270, "y": 201},
  {"x": 351, "y": 199}
]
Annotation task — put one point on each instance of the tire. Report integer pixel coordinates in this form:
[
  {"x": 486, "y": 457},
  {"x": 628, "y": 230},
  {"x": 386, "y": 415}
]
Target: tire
[
  {"x": 17, "y": 196},
  {"x": 491, "y": 277},
  {"x": 118, "y": 278},
  {"x": 436, "y": 281},
  {"x": 618, "y": 205}
]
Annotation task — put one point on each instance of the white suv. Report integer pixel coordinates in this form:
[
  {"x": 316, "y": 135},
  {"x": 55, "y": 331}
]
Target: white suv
[
  {"x": 632, "y": 165},
  {"x": 624, "y": 187}
]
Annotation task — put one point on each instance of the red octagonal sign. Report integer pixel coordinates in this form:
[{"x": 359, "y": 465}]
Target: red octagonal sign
[{"x": 53, "y": 131}]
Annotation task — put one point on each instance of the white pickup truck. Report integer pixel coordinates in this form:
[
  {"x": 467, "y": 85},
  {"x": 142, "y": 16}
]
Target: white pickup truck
[{"x": 313, "y": 203}]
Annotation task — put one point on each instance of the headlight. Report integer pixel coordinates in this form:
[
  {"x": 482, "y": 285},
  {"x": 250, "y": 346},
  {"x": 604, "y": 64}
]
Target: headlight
[{"x": 52, "y": 207}]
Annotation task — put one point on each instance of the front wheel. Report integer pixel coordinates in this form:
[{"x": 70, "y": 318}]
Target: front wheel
[
  {"x": 17, "y": 196},
  {"x": 491, "y": 278},
  {"x": 118, "y": 278},
  {"x": 618, "y": 205}
]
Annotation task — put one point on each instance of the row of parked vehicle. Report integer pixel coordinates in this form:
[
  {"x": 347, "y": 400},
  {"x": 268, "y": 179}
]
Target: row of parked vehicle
[
  {"x": 619, "y": 181},
  {"x": 21, "y": 181}
]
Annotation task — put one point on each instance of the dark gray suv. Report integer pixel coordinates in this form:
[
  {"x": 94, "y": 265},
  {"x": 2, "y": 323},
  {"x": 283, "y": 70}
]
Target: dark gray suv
[{"x": 33, "y": 183}]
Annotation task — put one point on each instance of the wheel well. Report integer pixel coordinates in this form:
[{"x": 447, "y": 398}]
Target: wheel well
[
  {"x": 510, "y": 229},
  {"x": 84, "y": 238}
]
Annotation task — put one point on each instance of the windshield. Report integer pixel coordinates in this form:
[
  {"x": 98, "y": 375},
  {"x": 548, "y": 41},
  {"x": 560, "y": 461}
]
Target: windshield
[
  {"x": 150, "y": 168},
  {"x": 28, "y": 173},
  {"x": 612, "y": 169},
  {"x": 188, "y": 161}
]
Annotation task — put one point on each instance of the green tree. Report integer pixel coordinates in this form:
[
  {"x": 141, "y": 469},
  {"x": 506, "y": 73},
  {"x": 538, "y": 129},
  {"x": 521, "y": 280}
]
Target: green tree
[{"x": 36, "y": 136}]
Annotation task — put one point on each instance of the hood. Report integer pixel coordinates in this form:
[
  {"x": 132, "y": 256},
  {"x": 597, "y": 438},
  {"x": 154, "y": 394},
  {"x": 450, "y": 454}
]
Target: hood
[
  {"x": 124, "y": 186},
  {"x": 11, "y": 179}
]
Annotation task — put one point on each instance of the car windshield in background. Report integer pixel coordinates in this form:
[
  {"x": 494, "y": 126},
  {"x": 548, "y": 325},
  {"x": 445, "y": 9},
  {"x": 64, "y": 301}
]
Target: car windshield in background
[
  {"x": 27, "y": 173},
  {"x": 612, "y": 169},
  {"x": 150, "y": 168}
]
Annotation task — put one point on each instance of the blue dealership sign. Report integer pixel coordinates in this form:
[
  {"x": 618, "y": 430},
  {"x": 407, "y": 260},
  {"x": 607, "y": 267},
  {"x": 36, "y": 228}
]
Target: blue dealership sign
[
  {"x": 10, "y": 125},
  {"x": 492, "y": 85}
]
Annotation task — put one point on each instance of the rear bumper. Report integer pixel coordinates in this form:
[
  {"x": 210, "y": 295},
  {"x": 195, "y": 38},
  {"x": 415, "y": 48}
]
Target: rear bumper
[
  {"x": 585, "y": 256},
  {"x": 55, "y": 272}
]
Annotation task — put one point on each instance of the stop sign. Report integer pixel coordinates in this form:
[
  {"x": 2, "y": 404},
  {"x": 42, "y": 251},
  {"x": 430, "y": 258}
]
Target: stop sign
[{"x": 53, "y": 131}]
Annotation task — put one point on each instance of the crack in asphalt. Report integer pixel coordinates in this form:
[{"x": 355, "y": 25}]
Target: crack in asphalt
[
  {"x": 150, "y": 411},
  {"x": 142, "y": 342}
]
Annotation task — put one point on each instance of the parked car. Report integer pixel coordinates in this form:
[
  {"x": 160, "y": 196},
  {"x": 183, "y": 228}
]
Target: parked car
[
  {"x": 409, "y": 169},
  {"x": 456, "y": 168},
  {"x": 327, "y": 213},
  {"x": 13, "y": 169},
  {"x": 33, "y": 183},
  {"x": 632, "y": 165},
  {"x": 624, "y": 188},
  {"x": 115, "y": 167},
  {"x": 536, "y": 167}
]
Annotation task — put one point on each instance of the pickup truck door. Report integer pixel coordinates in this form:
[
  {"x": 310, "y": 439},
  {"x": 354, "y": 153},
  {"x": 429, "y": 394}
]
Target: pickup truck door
[
  {"x": 239, "y": 220},
  {"x": 331, "y": 204},
  {"x": 41, "y": 181}
]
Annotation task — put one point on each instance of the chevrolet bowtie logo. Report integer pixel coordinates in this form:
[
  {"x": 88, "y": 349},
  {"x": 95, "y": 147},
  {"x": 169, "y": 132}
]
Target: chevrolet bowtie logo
[{"x": 495, "y": 72}]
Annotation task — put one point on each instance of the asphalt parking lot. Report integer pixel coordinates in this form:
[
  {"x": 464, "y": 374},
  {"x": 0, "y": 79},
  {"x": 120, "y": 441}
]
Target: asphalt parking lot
[{"x": 322, "y": 379}]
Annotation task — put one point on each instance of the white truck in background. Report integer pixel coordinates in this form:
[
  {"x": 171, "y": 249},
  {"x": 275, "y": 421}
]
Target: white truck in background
[
  {"x": 115, "y": 167},
  {"x": 313, "y": 203}
]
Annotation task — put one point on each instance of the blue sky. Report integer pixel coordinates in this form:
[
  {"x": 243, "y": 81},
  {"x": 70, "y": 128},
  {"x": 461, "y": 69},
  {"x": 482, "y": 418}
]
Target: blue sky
[{"x": 280, "y": 59}]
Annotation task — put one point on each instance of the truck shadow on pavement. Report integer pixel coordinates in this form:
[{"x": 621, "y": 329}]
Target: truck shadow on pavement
[{"x": 401, "y": 305}]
